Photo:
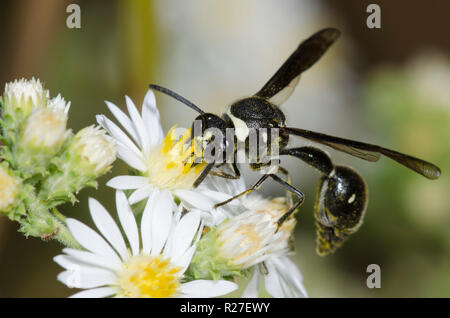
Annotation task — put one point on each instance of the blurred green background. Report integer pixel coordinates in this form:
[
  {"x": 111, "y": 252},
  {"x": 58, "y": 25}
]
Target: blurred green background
[{"x": 389, "y": 86}]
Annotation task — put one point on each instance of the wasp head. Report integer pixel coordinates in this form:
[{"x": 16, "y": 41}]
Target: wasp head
[{"x": 209, "y": 136}]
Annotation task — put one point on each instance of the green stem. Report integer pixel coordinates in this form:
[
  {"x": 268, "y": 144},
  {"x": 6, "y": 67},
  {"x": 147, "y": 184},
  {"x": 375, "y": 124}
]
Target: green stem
[{"x": 40, "y": 222}]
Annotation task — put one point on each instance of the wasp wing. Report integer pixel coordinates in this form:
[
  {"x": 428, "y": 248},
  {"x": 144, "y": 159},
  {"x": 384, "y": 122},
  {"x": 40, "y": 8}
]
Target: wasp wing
[
  {"x": 283, "y": 82},
  {"x": 367, "y": 152}
]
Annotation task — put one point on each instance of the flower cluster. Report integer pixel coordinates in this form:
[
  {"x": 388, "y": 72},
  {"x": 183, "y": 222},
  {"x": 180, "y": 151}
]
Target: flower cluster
[
  {"x": 43, "y": 164},
  {"x": 184, "y": 247},
  {"x": 170, "y": 240}
]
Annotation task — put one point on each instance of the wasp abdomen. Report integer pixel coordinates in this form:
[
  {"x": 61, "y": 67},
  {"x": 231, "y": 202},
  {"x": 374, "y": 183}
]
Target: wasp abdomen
[{"x": 339, "y": 209}]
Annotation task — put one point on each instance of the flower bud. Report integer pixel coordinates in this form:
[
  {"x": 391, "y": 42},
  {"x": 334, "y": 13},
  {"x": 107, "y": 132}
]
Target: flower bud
[
  {"x": 89, "y": 154},
  {"x": 24, "y": 95},
  {"x": 9, "y": 189},
  {"x": 95, "y": 149},
  {"x": 45, "y": 128}
]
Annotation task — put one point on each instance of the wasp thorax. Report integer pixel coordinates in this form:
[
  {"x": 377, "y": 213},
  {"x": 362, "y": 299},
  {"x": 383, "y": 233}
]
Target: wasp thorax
[{"x": 339, "y": 209}]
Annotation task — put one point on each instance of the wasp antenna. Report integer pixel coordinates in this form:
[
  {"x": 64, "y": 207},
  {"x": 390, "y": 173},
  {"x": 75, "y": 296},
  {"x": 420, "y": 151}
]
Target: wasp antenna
[{"x": 176, "y": 96}]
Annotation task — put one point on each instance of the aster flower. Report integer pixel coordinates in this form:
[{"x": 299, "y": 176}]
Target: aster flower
[
  {"x": 45, "y": 128},
  {"x": 249, "y": 239},
  {"x": 24, "y": 95},
  {"x": 160, "y": 161},
  {"x": 151, "y": 266}
]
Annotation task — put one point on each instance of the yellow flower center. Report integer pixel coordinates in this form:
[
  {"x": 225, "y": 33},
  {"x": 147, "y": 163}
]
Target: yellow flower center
[
  {"x": 146, "y": 276},
  {"x": 169, "y": 166}
]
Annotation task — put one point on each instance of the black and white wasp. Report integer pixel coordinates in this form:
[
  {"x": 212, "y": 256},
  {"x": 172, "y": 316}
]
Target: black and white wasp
[{"x": 342, "y": 193}]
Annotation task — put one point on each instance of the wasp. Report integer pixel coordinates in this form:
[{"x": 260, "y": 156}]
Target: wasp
[{"x": 342, "y": 196}]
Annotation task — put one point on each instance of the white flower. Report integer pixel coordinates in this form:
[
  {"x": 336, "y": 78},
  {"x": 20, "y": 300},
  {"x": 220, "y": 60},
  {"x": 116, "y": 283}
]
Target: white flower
[
  {"x": 45, "y": 128},
  {"x": 161, "y": 162},
  {"x": 96, "y": 150},
  {"x": 25, "y": 95},
  {"x": 154, "y": 263},
  {"x": 257, "y": 242}
]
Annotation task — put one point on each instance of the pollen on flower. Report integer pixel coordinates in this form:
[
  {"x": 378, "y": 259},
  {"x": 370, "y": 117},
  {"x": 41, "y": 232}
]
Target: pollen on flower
[
  {"x": 145, "y": 276},
  {"x": 9, "y": 189},
  {"x": 168, "y": 165},
  {"x": 252, "y": 236}
]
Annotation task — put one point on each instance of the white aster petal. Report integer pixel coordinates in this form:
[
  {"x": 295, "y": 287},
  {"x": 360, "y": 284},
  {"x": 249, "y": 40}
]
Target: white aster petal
[
  {"x": 140, "y": 194},
  {"x": 252, "y": 289},
  {"x": 117, "y": 133},
  {"x": 161, "y": 222},
  {"x": 107, "y": 227},
  {"x": 291, "y": 277},
  {"x": 123, "y": 119},
  {"x": 85, "y": 277},
  {"x": 193, "y": 199},
  {"x": 146, "y": 222},
  {"x": 128, "y": 221},
  {"x": 90, "y": 239},
  {"x": 135, "y": 161},
  {"x": 127, "y": 182},
  {"x": 184, "y": 234},
  {"x": 92, "y": 259},
  {"x": 138, "y": 124},
  {"x": 96, "y": 292},
  {"x": 150, "y": 116},
  {"x": 207, "y": 288}
]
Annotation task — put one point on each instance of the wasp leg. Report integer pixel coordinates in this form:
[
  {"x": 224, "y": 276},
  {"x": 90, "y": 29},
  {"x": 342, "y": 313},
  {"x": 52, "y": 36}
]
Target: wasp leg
[
  {"x": 203, "y": 175},
  {"x": 223, "y": 174},
  {"x": 314, "y": 157},
  {"x": 293, "y": 190},
  {"x": 253, "y": 188},
  {"x": 289, "y": 200}
]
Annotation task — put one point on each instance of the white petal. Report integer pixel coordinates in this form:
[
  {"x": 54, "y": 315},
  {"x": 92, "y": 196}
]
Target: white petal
[
  {"x": 123, "y": 119},
  {"x": 117, "y": 133},
  {"x": 146, "y": 222},
  {"x": 134, "y": 160},
  {"x": 150, "y": 100},
  {"x": 90, "y": 239},
  {"x": 252, "y": 289},
  {"x": 161, "y": 222},
  {"x": 207, "y": 288},
  {"x": 272, "y": 282},
  {"x": 83, "y": 277},
  {"x": 184, "y": 233},
  {"x": 140, "y": 194},
  {"x": 106, "y": 225},
  {"x": 184, "y": 260},
  {"x": 291, "y": 275},
  {"x": 96, "y": 292},
  {"x": 127, "y": 182},
  {"x": 93, "y": 259},
  {"x": 138, "y": 124},
  {"x": 150, "y": 116},
  {"x": 194, "y": 199},
  {"x": 128, "y": 221}
]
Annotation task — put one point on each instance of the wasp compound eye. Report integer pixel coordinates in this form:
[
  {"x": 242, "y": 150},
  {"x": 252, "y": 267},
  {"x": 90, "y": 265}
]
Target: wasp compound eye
[{"x": 341, "y": 201}]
